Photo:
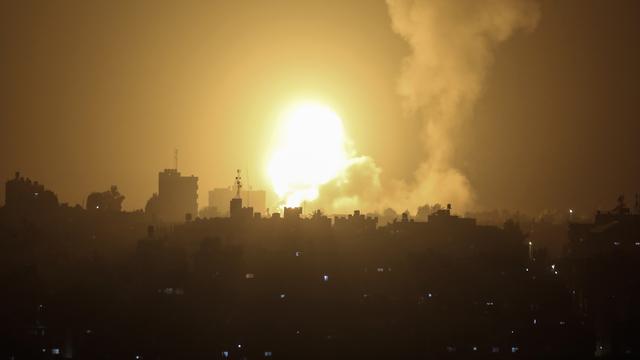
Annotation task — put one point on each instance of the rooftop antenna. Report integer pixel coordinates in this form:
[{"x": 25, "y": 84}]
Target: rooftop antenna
[
  {"x": 175, "y": 159},
  {"x": 238, "y": 184}
]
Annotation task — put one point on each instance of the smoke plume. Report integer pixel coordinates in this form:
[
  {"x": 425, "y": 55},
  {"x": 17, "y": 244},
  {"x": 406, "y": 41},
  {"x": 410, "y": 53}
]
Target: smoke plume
[
  {"x": 357, "y": 187},
  {"x": 452, "y": 45}
]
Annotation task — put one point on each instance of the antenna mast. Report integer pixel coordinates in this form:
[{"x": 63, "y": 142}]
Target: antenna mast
[
  {"x": 175, "y": 159},
  {"x": 238, "y": 184}
]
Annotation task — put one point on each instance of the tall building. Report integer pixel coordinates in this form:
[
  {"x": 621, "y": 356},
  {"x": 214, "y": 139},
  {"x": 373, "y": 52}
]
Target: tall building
[
  {"x": 177, "y": 196},
  {"x": 220, "y": 199}
]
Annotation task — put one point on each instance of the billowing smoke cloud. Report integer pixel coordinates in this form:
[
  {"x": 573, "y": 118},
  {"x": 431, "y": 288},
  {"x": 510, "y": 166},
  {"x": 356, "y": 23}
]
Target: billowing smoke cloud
[
  {"x": 358, "y": 187},
  {"x": 452, "y": 44}
]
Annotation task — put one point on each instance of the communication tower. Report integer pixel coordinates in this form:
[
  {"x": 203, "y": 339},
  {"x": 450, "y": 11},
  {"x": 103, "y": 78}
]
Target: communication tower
[{"x": 238, "y": 184}]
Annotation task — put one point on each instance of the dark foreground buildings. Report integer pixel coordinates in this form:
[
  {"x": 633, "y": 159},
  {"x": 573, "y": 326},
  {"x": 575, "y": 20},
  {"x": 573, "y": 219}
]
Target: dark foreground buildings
[
  {"x": 109, "y": 285},
  {"x": 602, "y": 264}
]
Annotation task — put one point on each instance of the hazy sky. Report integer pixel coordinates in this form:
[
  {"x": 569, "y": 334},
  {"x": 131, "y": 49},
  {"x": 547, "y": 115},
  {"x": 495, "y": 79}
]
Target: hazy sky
[{"x": 100, "y": 93}]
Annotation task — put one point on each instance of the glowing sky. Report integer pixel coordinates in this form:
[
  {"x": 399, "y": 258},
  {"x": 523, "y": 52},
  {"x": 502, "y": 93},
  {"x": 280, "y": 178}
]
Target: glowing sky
[{"x": 95, "y": 94}]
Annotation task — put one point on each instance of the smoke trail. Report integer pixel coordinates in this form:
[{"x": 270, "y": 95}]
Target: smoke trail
[{"x": 452, "y": 45}]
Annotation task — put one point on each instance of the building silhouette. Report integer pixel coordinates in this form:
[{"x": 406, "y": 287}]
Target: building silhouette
[
  {"x": 177, "y": 197},
  {"x": 23, "y": 194},
  {"x": 601, "y": 263},
  {"x": 236, "y": 210},
  {"x": 219, "y": 199}
]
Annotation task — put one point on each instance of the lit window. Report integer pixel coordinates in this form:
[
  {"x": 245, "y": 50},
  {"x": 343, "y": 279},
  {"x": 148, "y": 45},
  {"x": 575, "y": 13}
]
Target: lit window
[
  {"x": 562, "y": 322},
  {"x": 451, "y": 349},
  {"x": 249, "y": 276},
  {"x": 325, "y": 277},
  {"x": 225, "y": 354},
  {"x": 514, "y": 349},
  {"x": 495, "y": 349},
  {"x": 298, "y": 253},
  {"x": 475, "y": 348},
  {"x": 380, "y": 269},
  {"x": 55, "y": 351},
  {"x": 535, "y": 321},
  {"x": 282, "y": 296},
  {"x": 616, "y": 243},
  {"x": 267, "y": 354}
]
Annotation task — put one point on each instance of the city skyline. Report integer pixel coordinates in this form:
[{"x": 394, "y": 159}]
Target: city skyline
[{"x": 319, "y": 179}]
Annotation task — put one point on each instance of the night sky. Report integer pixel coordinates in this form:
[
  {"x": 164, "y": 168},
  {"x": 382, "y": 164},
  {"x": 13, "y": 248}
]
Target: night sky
[{"x": 100, "y": 93}]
